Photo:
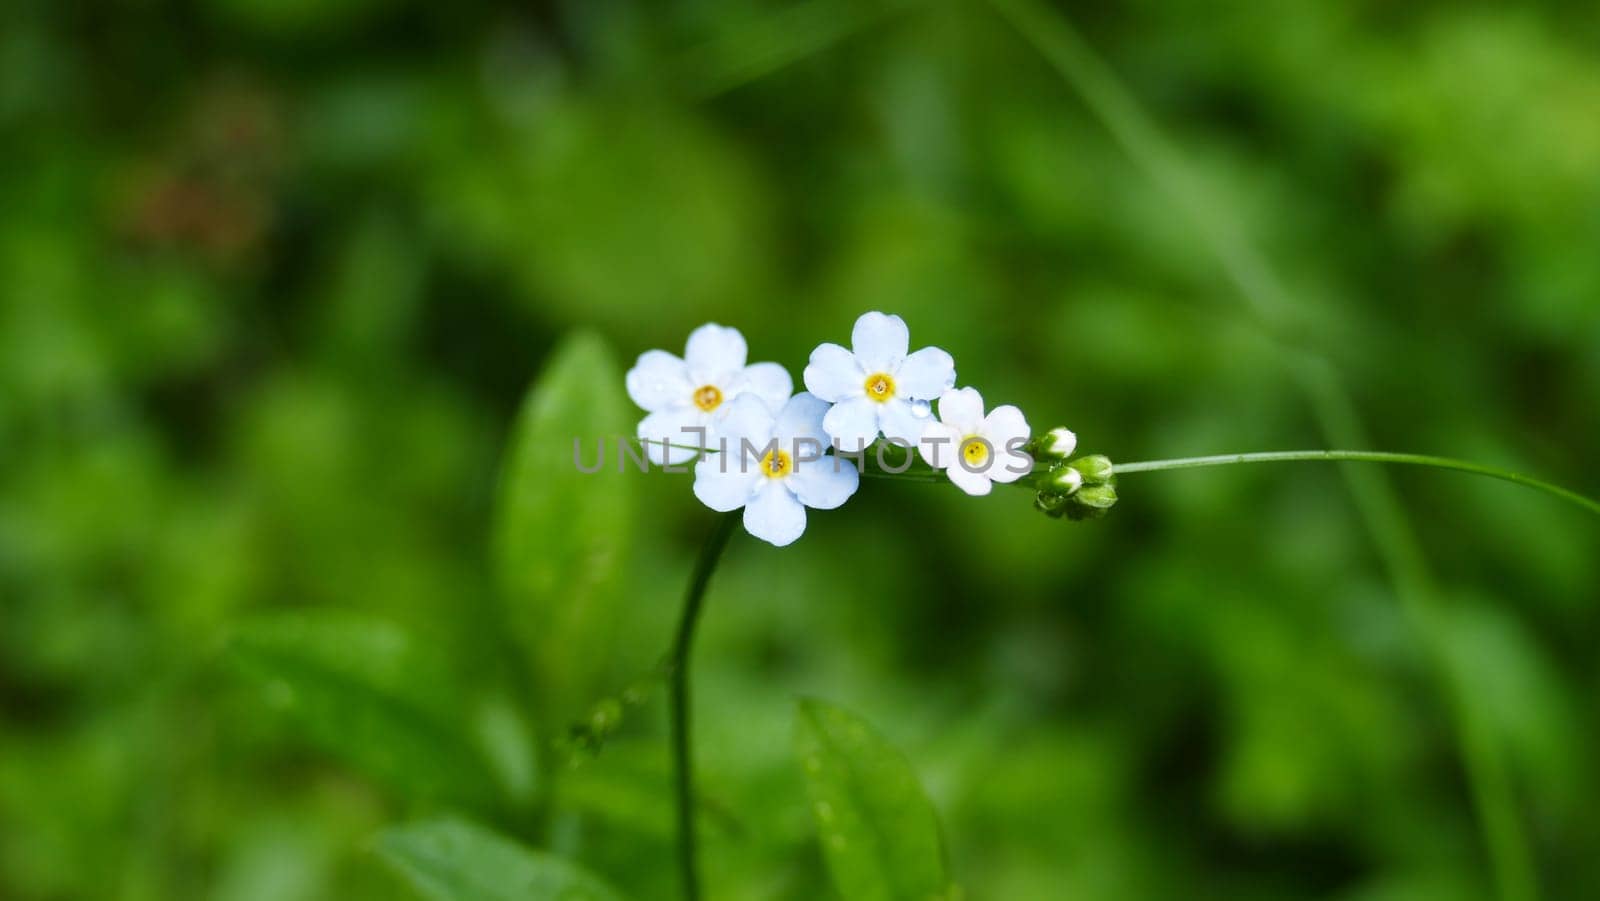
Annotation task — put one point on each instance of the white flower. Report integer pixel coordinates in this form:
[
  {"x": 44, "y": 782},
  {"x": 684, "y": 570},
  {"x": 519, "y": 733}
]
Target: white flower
[
  {"x": 773, "y": 465},
  {"x": 691, "y": 393},
  {"x": 876, "y": 385},
  {"x": 974, "y": 449}
]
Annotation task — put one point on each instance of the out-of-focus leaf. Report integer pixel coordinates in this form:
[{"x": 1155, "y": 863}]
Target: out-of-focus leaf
[
  {"x": 508, "y": 743},
  {"x": 877, "y": 827},
  {"x": 1521, "y": 697},
  {"x": 627, "y": 786},
  {"x": 562, "y": 535},
  {"x": 366, "y": 691},
  {"x": 453, "y": 860},
  {"x": 748, "y": 49}
]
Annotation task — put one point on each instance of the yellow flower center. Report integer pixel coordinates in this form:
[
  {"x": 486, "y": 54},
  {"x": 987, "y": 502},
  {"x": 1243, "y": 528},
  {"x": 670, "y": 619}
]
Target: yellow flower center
[
  {"x": 777, "y": 464},
  {"x": 880, "y": 386},
  {"x": 708, "y": 398},
  {"x": 975, "y": 451}
]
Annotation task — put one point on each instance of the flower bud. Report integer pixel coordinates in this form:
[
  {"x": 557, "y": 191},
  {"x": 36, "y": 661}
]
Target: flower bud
[
  {"x": 1054, "y": 505},
  {"x": 1056, "y": 444},
  {"x": 1091, "y": 502},
  {"x": 1096, "y": 469},
  {"x": 1065, "y": 481},
  {"x": 1099, "y": 497}
]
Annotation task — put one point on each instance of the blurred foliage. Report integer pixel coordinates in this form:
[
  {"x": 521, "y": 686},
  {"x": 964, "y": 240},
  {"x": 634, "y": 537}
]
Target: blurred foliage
[
  {"x": 276, "y": 276},
  {"x": 561, "y": 545},
  {"x": 456, "y": 861},
  {"x": 878, "y": 832}
]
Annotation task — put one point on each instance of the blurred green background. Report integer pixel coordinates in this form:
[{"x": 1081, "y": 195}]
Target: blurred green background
[{"x": 276, "y": 274}]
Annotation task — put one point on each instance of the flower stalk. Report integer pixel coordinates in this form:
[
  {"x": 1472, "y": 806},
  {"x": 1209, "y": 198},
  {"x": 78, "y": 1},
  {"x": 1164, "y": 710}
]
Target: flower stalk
[
  {"x": 1345, "y": 456},
  {"x": 1100, "y": 469},
  {"x": 1088, "y": 493},
  {"x": 678, "y": 667}
]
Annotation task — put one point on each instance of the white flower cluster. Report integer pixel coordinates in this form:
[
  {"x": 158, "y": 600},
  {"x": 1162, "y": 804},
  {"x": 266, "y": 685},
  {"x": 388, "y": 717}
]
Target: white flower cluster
[{"x": 775, "y": 454}]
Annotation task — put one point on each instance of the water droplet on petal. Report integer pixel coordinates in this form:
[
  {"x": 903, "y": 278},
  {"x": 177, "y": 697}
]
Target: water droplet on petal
[{"x": 921, "y": 409}]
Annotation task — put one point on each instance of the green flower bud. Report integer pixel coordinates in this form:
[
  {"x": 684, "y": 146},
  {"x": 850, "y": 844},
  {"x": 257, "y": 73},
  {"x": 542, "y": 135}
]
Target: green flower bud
[
  {"x": 1096, "y": 469},
  {"x": 1065, "y": 481},
  {"x": 1051, "y": 504},
  {"x": 1091, "y": 502},
  {"x": 1097, "y": 497},
  {"x": 1056, "y": 444}
]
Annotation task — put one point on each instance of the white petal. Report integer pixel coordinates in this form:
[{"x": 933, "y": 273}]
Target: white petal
[
  {"x": 939, "y": 445},
  {"x": 1008, "y": 465},
  {"x": 973, "y": 483},
  {"x": 659, "y": 380},
  {"x": 925, "y": 374},
  {"x": 685, "y": 427},
  {"x": 880, "y": 342},
  {"x": 834, "y": 375},
  {"x": 1007, "y": 431},
  {"x": 774, "y": 515},
  {"x": 745, "y": 417},
  {"x": 853, "y": 424},
  {"x": 800, "y": 418},
  {"x": 900, "y": 422},
  {"x": 1003, "y": 424},
  {"x": 768, "y": 381},
  {"x": 962, "y": 408},
  {"x": 722, "y": 484},
  {"x": 715, "y": 353},
  {"x": 826, "y": 483}
]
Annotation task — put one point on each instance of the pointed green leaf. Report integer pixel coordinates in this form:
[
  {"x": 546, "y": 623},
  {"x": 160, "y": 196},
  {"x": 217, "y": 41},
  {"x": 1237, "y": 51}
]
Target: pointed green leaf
[
  {"x": 562, "y": 535},
  {"x": 453, "y": 860},
  {"x": 877, "y": 827},
  {"x": 365, "y": 691}
]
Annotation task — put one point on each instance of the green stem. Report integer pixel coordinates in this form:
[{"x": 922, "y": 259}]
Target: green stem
[
  {"x": 1492, "y": 472},
  {"x": 923, "y": 475},
  {"x": 1052, "y": 35},
  {"x": 678, "y": 665}
]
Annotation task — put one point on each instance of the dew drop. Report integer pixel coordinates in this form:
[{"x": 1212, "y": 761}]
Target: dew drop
[{"x": 921, "y": 409}]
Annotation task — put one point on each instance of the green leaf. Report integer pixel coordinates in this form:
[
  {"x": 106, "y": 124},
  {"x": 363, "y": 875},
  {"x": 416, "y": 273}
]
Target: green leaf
[
  {"x": 366, "y": 692},
  {"x": 628, "y": 787},
  {"x": 745, "y": 50},
  {"x": 877, "y": 827},
  {"x": 562, "y": 535},
  {"x": 454, "y": 860}
]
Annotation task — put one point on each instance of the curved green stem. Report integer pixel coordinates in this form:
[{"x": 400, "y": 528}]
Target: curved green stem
[
  {"x": 678, "y": 665},
  {"x": 1492, "y": 472},
  {"x": 934, "y": 477},
  {"x": 1052, "y": 35}
]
